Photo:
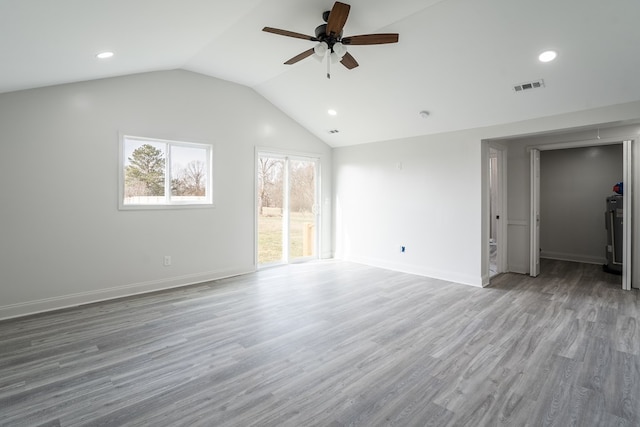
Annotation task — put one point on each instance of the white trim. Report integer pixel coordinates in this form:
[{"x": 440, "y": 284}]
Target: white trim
[
  {"x": 575, "y": 144},
  {"x": 485, "y": 191},
  {"x": 534, "y": 219},
  {"x": 256, "y": 156},
  {"x": 486, "y": 280},
  {"x": 627, "y": 224},
  {"x": 318, "y": 207},
  {"x": 286, "y": 212},
  {"x": 448, "y": 276},
  {"x": 502, "y": 249},
  {"x": 562, "y": 256},
  {"x": 287, "y": 156},
  {"x": 89, "y": 297},
  {"x": 628, "y": 177},
  {"x": 208, "y": 202},
  {"x": 635, "y": 241},
  {"x": 288, "y": 153}
]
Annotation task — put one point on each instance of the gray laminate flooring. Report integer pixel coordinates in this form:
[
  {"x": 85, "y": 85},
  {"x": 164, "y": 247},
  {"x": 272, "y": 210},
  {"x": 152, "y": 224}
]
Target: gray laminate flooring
[{"x": 334, "y": 344}]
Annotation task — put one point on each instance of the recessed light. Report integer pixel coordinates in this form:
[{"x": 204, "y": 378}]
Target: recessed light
[
  {"x": 548, "y": 56},
  {"x": 332, "y": 112},
  {"x": 104, "y": 55}
]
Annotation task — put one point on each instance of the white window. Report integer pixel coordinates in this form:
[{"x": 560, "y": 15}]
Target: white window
[{"x": 159, "y": 173}]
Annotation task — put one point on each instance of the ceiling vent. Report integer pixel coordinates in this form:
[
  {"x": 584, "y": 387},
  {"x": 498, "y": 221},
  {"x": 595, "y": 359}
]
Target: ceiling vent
[
  {"x": 334, "y": 131},
  {"x": 522, "y": 87}
]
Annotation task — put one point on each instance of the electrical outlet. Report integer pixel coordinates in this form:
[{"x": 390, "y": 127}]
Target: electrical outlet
[{"x": 167, "y": 260}]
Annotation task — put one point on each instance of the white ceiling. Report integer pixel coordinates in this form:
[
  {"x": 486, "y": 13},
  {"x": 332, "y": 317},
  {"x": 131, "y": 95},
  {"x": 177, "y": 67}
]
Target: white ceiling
[{"x": 457, "y": 59}]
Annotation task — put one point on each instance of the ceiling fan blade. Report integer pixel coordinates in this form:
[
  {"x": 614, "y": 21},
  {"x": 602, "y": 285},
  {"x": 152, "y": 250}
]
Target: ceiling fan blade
[
  {"x": 289, "y": 34},
  {"x": 349, "y": 61},
  {"x": 337, "y": 18},
  {"x": 371, "y": 39},
  {"x": 300, "y": 57}
]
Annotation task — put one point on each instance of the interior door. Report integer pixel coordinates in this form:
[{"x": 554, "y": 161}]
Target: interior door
[
  {"x": 627, "y": 224},
  {"x": 497, "y": 212},
  {"x": 534, "y": 221}
]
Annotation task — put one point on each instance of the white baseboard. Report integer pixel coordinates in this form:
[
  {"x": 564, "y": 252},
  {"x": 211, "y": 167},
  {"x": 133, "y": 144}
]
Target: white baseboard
[
  {"x": 81, "y": 298},
  {"x": 448, "y": 276},
  {"x": 486, "y": 280},
  {"x": 561, "y": 256},
  {"x": 326, "y": 255}
]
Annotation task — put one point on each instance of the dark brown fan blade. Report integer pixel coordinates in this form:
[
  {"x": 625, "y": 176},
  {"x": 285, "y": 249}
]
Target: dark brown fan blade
[
  {"x": 337, "y": 18},
  {"x": 371, "y": 39},
  {"x": 289, "y": 34},
  {"x": 300, "y": 57},
  {"x": 349, "y": 61}
]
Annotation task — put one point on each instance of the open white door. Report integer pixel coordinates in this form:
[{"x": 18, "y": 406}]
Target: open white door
[
  {"x": 497, "y": 210},
  {"x": 627, "y": 224},
  {"x": 534, "y": 221}
]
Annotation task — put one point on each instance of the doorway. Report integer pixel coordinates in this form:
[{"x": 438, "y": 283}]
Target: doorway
[
  {"x": 497, "y": 210},
  {"x": 535, "y": 212},
  {"x": 287, "y": 210}
]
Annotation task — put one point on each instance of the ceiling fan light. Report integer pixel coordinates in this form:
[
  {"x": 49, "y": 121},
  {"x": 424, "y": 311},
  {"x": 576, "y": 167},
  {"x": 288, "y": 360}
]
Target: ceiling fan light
[
  {"x": 339, "y": 49},
  {"x": 321, "y": 49},
  {"x": 335, "y": 58}
]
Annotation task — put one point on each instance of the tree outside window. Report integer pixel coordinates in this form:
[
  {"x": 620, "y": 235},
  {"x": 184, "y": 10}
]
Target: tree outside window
[{"x": 158, "y": 172}]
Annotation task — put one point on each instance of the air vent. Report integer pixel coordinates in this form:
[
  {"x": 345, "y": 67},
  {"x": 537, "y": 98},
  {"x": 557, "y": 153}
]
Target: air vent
[
  {"x": 334, "y": 131},
  {"x": 522, "y": 87}
]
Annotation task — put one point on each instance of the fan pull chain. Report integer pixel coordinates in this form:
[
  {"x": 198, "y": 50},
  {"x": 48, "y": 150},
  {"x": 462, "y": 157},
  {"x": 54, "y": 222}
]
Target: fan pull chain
[{"x": 328, "y": 65}]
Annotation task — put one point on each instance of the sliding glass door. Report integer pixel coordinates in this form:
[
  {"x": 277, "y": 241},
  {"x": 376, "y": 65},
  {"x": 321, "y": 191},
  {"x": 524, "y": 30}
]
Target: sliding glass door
[{"x": 287, "y": 210}]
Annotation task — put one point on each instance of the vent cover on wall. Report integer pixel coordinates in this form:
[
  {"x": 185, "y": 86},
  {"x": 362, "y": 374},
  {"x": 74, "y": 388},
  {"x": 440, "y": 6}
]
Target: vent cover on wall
[{"x": 536, "y": 84}]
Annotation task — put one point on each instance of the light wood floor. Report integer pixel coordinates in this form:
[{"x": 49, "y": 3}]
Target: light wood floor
[{"x": 335, "y": 344}]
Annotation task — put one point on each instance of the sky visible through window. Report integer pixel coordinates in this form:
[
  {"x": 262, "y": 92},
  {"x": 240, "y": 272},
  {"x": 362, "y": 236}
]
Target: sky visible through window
[{"x": 180, "y": 155}]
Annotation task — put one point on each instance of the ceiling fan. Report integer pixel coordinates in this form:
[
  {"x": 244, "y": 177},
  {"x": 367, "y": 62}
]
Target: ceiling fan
[{"x": 330, "y": 40}]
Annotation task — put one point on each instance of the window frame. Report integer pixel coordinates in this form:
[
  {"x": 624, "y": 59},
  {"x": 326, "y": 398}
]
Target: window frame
[{"x": 168, "y": 203}]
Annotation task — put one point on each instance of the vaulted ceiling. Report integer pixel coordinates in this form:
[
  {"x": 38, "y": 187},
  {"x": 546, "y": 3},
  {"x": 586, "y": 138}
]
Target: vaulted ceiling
[{"x": 457, "y": 59}]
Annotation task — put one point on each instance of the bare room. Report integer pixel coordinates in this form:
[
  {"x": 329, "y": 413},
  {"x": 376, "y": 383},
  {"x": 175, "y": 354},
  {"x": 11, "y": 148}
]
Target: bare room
[{"x": 284, "y": 213}]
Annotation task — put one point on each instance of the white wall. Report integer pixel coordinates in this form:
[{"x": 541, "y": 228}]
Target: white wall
[
  {"x": 437, "y": 203},
  {"x": 63, "y": 240},
  {"x": 423, "y": 193},
  {"x": 574, "y": 183}
]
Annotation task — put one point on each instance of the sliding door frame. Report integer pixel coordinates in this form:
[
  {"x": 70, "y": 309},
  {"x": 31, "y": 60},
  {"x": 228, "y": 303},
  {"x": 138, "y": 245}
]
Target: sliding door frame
[{"x": 288, "y": 156}]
